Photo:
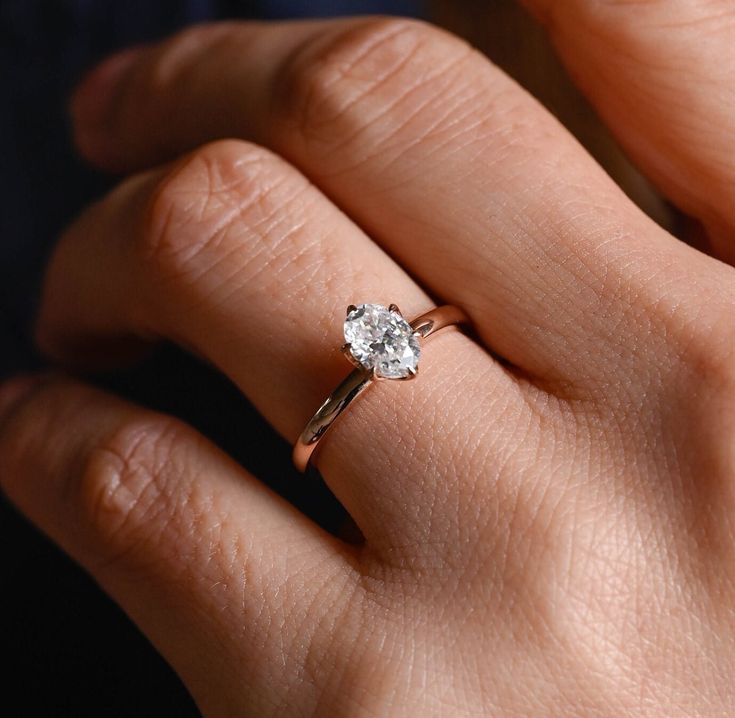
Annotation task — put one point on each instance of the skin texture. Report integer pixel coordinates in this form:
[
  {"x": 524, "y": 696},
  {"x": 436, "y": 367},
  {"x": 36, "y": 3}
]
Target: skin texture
[{"x": 551, "y": 534}]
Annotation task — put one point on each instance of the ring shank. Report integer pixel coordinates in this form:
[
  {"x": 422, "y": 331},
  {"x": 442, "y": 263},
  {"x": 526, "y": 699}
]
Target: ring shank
[{"x": 357, "y": 381}]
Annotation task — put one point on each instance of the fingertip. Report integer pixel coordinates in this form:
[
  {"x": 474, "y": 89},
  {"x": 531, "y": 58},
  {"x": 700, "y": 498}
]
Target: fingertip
[
  {"x": 14, "y": 390},
  {"x": 92, "y": 105},
  {"x": 92, "y": 99}
]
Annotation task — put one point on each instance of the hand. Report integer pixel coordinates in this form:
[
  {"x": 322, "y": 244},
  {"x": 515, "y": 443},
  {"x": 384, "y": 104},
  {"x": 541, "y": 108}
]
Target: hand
[{"x": 548, "y": 536}]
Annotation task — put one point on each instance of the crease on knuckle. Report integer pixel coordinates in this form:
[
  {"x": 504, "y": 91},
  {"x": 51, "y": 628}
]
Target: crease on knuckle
[
  {"x": 331, "y": 90},
  {"x": 123, "y": 490},
  {"x": 192, "y": 211}
]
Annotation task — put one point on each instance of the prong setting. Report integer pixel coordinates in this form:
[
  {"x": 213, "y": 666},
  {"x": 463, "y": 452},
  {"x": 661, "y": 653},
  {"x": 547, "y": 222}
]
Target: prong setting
[
  {"x": 378, "y": 326},
  {"x": 346, "y": 349},
  {"x": 380, "y": 339}
]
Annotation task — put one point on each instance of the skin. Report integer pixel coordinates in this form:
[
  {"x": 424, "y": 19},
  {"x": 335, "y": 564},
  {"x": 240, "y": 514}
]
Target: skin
[{"x": 547, "y": 535}]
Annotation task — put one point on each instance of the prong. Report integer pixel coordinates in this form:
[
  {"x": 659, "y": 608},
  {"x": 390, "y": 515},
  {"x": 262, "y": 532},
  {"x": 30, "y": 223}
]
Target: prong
[
  {"x": 412, "y": 373},
  {"x": 394, "y": 308},
  {"x": 351, "y": 308},
  {"x": 345, "y": 349}
]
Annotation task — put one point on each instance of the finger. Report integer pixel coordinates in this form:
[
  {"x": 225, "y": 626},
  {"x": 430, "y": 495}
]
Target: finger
[
  {"x": 461, "y": 176},
  {"x": 233, "y": 253},
  {"x": 661, "y": 76},
  {"x": 200, "y": 554}
]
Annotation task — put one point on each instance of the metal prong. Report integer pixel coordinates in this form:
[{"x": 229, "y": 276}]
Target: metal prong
[
  {"x": 351, "y": 308},
  {"x": 394, "y": 308},
  {"x": 345, "y": 349},
  {"x": 412, "y": 373}
]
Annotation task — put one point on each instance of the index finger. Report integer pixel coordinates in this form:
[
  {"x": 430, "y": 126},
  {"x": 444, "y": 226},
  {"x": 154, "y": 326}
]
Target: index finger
[{"x": 448, "y": 164}]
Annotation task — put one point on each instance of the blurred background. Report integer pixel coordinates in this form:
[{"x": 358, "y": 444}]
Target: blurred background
[{"x": 69, "y": 650}]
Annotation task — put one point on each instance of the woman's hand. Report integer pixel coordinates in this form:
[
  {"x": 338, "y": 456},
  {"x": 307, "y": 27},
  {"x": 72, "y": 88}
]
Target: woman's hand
[{"x": 550, "y": 537}]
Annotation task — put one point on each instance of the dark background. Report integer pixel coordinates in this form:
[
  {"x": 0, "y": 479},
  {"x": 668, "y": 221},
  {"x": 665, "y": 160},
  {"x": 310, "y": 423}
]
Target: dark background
[{"x": 68, "y": 650}]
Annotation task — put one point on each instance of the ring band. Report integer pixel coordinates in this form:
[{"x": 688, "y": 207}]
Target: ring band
[{"x": 382, "y": 345}]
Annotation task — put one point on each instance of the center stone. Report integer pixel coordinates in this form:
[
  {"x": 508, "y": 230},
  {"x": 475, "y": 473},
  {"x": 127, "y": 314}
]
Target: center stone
[{"x": 382, "y": 340}]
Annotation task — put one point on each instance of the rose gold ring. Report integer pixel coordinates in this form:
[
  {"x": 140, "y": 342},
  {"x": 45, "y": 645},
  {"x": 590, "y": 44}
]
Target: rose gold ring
[{"x": 381, "y": 344}]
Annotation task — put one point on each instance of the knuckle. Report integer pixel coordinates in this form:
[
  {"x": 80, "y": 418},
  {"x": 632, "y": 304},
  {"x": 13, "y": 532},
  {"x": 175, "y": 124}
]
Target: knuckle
[
  {"x": 332, "y": 88},
  {"x": 685, "y": 315},
  {"x": 710, "y": 356},
  {"x": 697, "y": 324},
  {"x": 703, "y": 399},
  {"x": 171, "y": 59},
  {"x": 192, "y": 208},
  {"x": 124, "y": 488}
]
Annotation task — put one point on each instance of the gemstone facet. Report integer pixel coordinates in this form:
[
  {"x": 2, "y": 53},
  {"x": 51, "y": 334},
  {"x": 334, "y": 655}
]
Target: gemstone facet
[{"x": 380, "y": 339}]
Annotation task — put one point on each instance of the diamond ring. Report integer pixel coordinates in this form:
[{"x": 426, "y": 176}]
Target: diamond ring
[{"x": 380, "y": 344}]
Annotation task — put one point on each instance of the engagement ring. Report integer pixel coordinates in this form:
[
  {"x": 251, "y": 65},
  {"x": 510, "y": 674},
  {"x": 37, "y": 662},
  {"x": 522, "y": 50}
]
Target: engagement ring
[{"x": 381, "y": 344}]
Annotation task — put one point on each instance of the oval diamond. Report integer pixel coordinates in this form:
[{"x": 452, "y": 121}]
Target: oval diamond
[{"x": 381, "y": 339}]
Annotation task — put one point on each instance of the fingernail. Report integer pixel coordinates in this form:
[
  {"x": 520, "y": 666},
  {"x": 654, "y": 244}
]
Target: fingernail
[
  {"x": 14, "y": 390},
  {"x": 93, "y": 99}
]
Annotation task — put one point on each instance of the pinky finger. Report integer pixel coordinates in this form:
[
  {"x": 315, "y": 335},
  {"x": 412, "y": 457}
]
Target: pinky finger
[{"x": 198, "y": 552}]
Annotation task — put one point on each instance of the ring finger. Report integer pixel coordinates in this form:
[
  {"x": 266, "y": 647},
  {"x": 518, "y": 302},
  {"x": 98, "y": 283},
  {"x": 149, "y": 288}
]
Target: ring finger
[{"x": 233, "y": 253}]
